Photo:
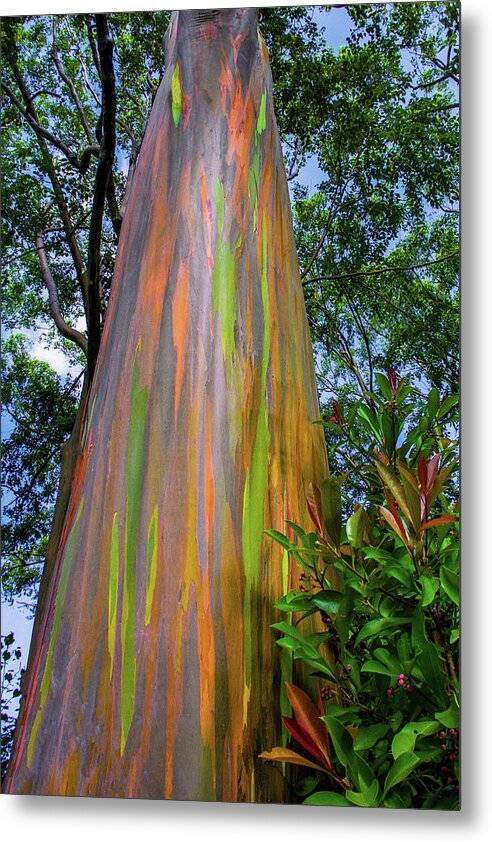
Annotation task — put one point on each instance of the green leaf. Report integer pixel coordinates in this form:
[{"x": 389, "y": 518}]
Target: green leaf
[
  {"x": 447, "y": 405},
  {"x": 319, "y": 665},
  {"x": 370, "y": 421},
  {"x": 395, "y": 801},
  {"x": 383, "y": 556},
  {"x": 376, "y": 627},
  {"x": 395, "y": 571},
  {"x": 376, "y": 667},
  {"x": 331, "y": 507},
  {"x": 388, "y": 659},
  {"x": 341, "y": 740},
  {"x": 404, "y": 741},
  {"x": 433, "y": 403},
  {"x": 355, "y": 529},
  {"x": 432, "y": 668},
  {"x": 401, "y": 769},
  {"x": 384, "y": 385},
  {"x": 298, "y": 640},
  {"x": 326, "y": 799},
  {"x": 450, "y": 717},
  {"x": 298, "y": 530},
  {"x": 430, "y": 586},
  {"x": 328, "y": 601},
  {"x": 306, "y": 785},
  {"x": 367, "y": 798},
  {"x": 389, "y": 431},
  {"x": 450, "y": 584},
  {"x": 280, "y": 539},
  {"x": 343, "y": 619},
  {"x": 368, "y": 737},
  {"x": 391, "y": 481},
  {"x": 295, "y": 601}
]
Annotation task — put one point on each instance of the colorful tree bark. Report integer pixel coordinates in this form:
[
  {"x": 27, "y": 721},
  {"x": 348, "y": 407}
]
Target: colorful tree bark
[{"x": 155, "y": 672}]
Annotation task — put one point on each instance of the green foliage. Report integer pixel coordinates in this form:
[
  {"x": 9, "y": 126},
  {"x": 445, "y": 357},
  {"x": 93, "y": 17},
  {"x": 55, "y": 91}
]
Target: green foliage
[
  {"x": 40, "y": 411},
  {"x": 386, "y": 590},
  {"x": 384, "y": 132},
  {"x": 11, "y": 674}
]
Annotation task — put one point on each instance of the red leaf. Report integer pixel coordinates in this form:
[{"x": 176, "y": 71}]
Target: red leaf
[
  {"x": 307, "y": 719},
  {"x": 313, "y": 502},
  {"x": 393, "y": 381},
  {"x": 303, "y": 739},
  {"x": 286, "y": 755},
  {"x": 422, "y": 471},
  {"x": 395, "y": 524},
  {"x": 438, "y": 521}
]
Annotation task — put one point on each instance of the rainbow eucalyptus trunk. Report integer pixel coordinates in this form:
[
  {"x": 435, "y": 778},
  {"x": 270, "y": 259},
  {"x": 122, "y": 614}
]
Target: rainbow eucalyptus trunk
[{"x": 155, "y": 672}]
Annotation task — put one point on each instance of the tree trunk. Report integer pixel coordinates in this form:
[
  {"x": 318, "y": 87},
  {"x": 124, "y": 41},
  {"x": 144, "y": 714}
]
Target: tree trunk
[{"x": 155, "y": 672}]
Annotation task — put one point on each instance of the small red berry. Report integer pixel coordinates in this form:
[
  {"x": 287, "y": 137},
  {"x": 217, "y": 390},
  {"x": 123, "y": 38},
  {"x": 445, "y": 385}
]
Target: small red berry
[
  {"x": 453, "y": 756},
  {"x": 390, "y": 691}
]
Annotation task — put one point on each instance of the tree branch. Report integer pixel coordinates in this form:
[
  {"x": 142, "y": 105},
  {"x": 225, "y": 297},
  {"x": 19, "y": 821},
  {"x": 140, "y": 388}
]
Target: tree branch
[
  {"x": 71, "y": 87},
  {"x": 103, "y": 175},
  {"x": 65, "y": 329},
  {"x": 443, "y": 78},
  {"x": 39, "y": 129},
  {"x": 92, "y": 43},
  {"x": 49, "y": 167},
  {"x": 338, "y": 189},
  {"x": 380, "y": 270}
]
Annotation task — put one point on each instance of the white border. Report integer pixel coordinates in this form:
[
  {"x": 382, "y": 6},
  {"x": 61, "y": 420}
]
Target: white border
[{"x": 80, "y": 820}]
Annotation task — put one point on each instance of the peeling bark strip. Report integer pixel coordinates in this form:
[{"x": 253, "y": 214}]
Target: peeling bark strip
[{"x": 156, "y": 674}]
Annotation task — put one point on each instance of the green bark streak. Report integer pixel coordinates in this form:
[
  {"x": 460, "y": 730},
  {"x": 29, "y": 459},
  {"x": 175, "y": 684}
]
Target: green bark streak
[
  {"x": 224, "y": 280},
  {"x": 135, "y": 464},
  {"x": 256, "y": 480},
  {"x": 152, "y": 564},
  {"x": 254, "y": 170},
  {"x": 113, "y": 589},
  {"x": 176, "y": 96},
  {"x": 261, "y": 121},
  {"x": 60, "y": 599},
  {"x": 207, "y": 790}
]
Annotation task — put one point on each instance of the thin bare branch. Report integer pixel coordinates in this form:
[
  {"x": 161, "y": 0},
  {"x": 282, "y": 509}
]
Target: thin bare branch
[
  {"x": 65, "y": 329},
  {"x": 71, "y": 87},
  {"x": 380, "y": 270}
]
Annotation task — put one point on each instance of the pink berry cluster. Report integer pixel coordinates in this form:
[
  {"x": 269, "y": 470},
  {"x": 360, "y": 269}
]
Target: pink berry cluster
[
  {"x": 401, "y": 683},
  {"x": 449, "y": 747}
]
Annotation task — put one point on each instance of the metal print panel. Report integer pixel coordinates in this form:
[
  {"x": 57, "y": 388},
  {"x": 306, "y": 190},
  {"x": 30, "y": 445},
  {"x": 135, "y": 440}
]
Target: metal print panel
[{"x": 231, "y": 479}]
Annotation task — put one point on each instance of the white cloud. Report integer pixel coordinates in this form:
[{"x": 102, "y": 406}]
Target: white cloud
[
  {"x": 39, "y": 349},
  {"x": 56, "y": 359}
]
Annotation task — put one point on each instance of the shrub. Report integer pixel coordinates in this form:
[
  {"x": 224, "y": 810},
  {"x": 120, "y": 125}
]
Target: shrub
[{"x": 384, "y": 584}]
